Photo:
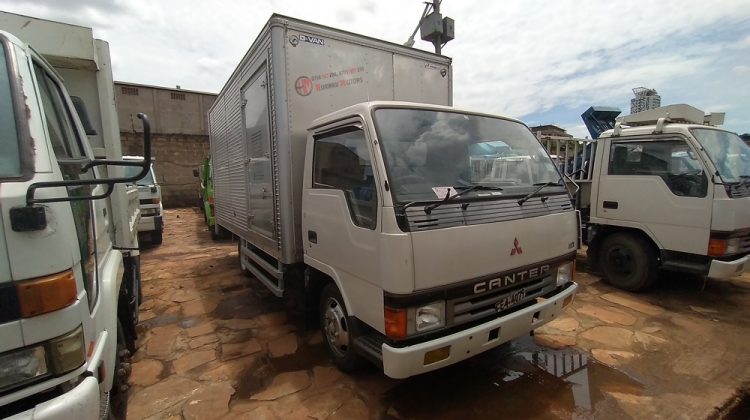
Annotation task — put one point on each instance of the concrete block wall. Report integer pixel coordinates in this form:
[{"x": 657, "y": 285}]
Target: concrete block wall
[
  {"x": 179, "y": 133},
  {"x": 175, "y": 157}
]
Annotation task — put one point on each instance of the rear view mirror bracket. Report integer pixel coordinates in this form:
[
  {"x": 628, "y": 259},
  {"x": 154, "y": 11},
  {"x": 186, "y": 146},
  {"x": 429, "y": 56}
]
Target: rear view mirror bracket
[{"x": 32, "y": 217}]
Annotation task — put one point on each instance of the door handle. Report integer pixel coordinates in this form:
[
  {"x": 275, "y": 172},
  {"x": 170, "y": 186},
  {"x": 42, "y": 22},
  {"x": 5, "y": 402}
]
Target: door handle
[
  {"x": 610, "y": 204},
  {"x": 312, "y": 236}
]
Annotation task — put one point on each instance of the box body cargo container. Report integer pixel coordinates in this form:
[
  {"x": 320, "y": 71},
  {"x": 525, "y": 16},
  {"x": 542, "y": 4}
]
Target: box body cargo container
[{"x": 294, "y": 72}]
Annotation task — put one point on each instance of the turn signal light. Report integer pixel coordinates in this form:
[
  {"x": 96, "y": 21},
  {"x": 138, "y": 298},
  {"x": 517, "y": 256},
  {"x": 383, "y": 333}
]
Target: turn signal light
[
  {"x": 395, "y": 323},
  {"x": 46, "y": 294},
  {"x": 717, "y": 247}
]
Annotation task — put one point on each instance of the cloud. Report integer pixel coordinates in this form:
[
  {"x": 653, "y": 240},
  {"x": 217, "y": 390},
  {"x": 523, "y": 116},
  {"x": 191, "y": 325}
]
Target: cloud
[{"x": 517, "y": 58}]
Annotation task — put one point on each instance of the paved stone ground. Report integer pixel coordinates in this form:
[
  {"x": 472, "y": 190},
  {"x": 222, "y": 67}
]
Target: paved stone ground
[{"x": 215, "y": 344}]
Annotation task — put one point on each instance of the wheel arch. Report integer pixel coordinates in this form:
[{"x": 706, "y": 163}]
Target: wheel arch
[{"x": 605, "y": 231}]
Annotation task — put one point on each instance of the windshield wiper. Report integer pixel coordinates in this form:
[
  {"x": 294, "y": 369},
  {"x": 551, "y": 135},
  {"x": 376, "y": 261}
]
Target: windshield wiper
[
  {"x": 540, "y": 186},
  {"x": 448, "y": 197}
]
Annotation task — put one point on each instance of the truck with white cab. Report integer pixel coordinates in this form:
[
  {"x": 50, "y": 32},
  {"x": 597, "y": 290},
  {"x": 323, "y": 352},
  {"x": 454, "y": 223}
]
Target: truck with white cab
[
  {"x": 344, "y": 171},
  {"x": 667, "y": 190},
  {"x": 69, "y": 260}
]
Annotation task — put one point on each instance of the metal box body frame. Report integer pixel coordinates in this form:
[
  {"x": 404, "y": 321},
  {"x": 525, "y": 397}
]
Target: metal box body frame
[{"x": 306, "y": 71}]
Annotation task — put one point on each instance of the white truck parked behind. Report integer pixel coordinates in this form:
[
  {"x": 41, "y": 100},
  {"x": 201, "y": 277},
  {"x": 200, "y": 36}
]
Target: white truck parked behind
[
  {"x": 69, "y": 262},
  {"x": 149, "y": 197},
  {"x": 667, "y": 190},
  {"x": 336, "y": 185}
]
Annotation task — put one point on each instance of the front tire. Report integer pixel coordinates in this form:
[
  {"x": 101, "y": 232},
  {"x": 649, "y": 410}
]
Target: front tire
[
  {"x": 157, "y": 236},
  {"x": 118, "y": 393},
  {"x": 628, "y": 262},
  {"x": 337, "y": 330}
]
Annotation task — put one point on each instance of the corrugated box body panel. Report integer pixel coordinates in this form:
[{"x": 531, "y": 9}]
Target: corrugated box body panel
[
  {"x": 312, "y": 71},
  {"x": 228, "y": 144}
]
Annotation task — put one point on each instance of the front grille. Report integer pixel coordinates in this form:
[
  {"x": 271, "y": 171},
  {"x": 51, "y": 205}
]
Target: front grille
[
  {"x": 147, "y": 201},
  {"x": 479, "y": 212},
  {"x": 471, "y": 308}
]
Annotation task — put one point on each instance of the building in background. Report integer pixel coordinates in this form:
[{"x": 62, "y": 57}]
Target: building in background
[
  {"x": 549, "y": 131},
  {"x": 179, "y": 130},
  {"x": 645, "y": 99}
]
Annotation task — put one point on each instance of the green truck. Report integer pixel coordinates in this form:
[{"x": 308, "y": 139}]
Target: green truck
[{"x": 206, "y": 197}]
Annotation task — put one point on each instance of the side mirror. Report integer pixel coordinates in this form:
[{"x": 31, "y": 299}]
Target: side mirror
[
  {"x": 32, "y": 217},
  {"x": 195, "y": 173}
]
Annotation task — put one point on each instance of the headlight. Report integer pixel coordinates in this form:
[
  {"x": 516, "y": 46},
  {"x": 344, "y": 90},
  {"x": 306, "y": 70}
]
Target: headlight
[
  {"x": 427, "y": 317},
  {"x": 566, "y": 273},
  {"x": 21, "y": 366},
  {"x": 67, "y": 352},
  {"x": 54, "y": 357}
]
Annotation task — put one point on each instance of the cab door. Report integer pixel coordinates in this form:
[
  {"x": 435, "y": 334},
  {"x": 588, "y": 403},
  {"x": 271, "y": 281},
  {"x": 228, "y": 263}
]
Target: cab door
[
  {"x": 340, "y": 209},
  {"x": 659, "y": 184},
  {"x": 70, "y": 152}
]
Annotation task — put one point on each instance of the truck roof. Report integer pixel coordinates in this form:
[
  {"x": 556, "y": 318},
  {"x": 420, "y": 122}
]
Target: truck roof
[
  {"x": 366, "y": 107},
  {"x": 649, "y": 129}
]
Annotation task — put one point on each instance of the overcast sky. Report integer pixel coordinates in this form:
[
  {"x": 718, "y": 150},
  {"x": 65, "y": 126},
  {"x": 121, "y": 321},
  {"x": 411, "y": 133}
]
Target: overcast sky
[{"x": 542, "y": 61}]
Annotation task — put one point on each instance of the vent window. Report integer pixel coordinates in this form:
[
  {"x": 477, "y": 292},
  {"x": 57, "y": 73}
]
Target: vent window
[
  {"x": 178, "y": 96},
  {"x": 126, "y": 90}
]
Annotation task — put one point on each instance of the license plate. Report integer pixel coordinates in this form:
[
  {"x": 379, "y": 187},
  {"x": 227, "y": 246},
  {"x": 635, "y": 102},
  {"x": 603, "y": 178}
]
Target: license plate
[{"x": 510, "y": 300}]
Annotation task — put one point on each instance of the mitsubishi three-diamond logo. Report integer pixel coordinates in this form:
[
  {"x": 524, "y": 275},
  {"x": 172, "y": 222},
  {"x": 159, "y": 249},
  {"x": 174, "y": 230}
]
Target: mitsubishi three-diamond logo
[{"x": 516, "y": 249}]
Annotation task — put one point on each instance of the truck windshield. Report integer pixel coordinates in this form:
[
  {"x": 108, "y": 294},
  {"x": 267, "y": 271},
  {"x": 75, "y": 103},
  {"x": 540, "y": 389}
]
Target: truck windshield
[
  {"x": 147, "y": 180},
  {"x": 10, "y": 156},
  {"x": 729, "y": 154},
  {"x": 430, "y": 153}
]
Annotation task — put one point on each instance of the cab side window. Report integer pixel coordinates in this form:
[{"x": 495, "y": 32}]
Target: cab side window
[
  {"x": 671, "y": 160},
  {"x": 70, "y": 155},
  {"x": 341, "y": 160}
]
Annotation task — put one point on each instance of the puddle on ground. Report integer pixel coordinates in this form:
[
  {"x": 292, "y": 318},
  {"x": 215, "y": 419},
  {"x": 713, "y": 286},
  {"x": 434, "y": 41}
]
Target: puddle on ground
[
  {"x": 306, "y": 357},
  {"x": 252, "y": 380},
  {"x": 161, "y": 320},
  {"x": 520, "y": 380},
  {"x": 190, "y": 322},
  {"x": 245, "y": 304}
]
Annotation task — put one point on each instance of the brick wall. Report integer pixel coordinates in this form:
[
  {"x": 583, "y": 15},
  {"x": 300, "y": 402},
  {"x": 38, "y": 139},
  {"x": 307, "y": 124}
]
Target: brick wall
[{"x": 175, "y": 157}]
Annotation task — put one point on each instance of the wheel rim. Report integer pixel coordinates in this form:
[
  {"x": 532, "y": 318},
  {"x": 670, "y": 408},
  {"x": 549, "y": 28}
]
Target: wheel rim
[
  {"x": 334, "y": 325},
  {"x": 621, "y": 261}
]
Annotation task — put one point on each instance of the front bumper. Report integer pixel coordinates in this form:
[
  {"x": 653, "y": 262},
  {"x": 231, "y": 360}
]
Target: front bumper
[
  {"x": 727, "y": 269},
  {"x": 80, "y": 403},
  {"x": 403, "y": 362}
]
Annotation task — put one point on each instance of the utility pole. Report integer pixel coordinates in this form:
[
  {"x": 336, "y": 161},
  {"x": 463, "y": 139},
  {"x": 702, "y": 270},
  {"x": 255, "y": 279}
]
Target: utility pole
[
  {"x": 433, "y": 27},
  {"x": 438, "y": 41}
]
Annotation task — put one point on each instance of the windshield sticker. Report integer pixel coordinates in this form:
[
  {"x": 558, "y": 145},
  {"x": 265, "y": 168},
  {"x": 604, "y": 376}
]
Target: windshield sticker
[{"x": 441, "y": 192}]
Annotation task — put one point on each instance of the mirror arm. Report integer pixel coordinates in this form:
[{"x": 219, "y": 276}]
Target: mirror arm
[{"x": 145, "y": 165}]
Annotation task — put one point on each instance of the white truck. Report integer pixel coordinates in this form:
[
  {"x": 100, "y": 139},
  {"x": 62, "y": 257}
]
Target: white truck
[
  {"x": 335, "y": 184},
  {"x": 69, "y": 262},
  {"x": 149, "y": 197},
  {"x": 667, "y": 190}
]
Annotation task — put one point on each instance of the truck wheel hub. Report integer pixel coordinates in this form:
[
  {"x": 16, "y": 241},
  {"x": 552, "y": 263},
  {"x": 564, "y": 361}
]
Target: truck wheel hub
[{"x": 335, "y": 327}]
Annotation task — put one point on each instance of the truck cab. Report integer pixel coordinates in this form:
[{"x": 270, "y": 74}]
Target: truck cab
[
  {"x": 149, "y": 199},
  {"x": 669, "y": 190},
  {"x": 428, "y": 267},
  {"x": 69, "y": 272}
]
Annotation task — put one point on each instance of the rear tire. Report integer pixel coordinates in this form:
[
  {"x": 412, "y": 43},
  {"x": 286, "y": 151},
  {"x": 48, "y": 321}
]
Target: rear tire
[
  {"x": 337, "y": 331},
  {"x": 628, "y": 262}
]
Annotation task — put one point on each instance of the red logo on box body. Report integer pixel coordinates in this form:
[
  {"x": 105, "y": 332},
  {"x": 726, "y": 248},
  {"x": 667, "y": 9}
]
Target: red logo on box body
[{"x": 516, "y": 249}]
